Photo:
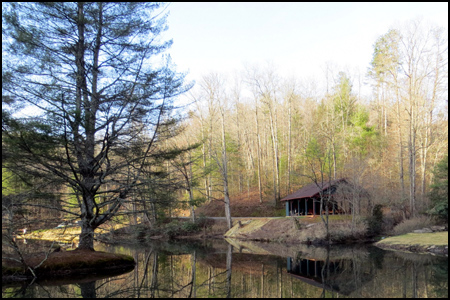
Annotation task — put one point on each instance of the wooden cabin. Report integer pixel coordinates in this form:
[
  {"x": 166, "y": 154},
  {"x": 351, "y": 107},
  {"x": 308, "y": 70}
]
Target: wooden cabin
[{"x": 306, "y": 201}]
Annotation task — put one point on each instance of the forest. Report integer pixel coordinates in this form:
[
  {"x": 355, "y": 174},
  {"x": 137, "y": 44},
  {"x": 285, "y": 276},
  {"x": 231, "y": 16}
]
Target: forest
[
  {"x": 109, "y": 139},
  {"x": 262, "y": 131}
]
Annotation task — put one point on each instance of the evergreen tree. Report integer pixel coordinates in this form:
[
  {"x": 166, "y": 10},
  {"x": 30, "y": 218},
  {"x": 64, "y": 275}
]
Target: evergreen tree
[
  {"x": 88, "y": 71},
  {"x": 439, "y": 190}
]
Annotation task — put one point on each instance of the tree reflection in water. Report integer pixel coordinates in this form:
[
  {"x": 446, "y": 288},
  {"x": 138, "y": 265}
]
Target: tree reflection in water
[
  {"x": 207, "y": 269},
  {"x": 229, "y": 263},
  {"x": 88, "y": 290}
]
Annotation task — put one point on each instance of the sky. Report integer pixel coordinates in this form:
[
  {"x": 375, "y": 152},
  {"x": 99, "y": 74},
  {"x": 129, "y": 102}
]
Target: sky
[{"x": 298, "y": 39}]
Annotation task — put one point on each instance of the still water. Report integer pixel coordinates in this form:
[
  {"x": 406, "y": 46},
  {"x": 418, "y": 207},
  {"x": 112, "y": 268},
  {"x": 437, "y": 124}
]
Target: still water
[{"x": 217, "y": 268}]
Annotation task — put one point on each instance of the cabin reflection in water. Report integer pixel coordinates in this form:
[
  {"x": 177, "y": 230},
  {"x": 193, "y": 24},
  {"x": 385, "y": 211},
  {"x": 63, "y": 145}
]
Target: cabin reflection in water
[{"x": 332, "y": 275}]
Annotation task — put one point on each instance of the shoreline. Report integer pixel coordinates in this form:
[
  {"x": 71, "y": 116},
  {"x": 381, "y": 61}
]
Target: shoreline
[
  {"x": 433, "y": 250},
  {"x": 283, "y": 231},
  {"x": 289, "y": 232},
  {"x": 434, "y": 243}
]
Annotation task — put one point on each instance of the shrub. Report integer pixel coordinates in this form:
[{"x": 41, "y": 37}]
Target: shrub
[
  {"x": 202, "y": 221},
  {"x": 375, "y": 222},
  {"x": 172, "y": 229},
  {"x": 190, "y": 227},
  {"x": 280, "y": 213},
  {"x": 392, "y": 218},
  {"x": 412, "y": 224},
  {"x": 341, "y": 231},
  {"x": 140, "y": 231},
  {"x": 218, "y": 227},
  {"x": 255, "y": 214},
  {"x": 162, "y": 220}
]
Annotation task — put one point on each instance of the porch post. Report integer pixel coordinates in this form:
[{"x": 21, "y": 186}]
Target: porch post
[
  {"x": 307, "y": 266},
  {"x": 287, "y": 208},
  {"x": 314, "y": 207},
  {"x": 306, "y": 206}
]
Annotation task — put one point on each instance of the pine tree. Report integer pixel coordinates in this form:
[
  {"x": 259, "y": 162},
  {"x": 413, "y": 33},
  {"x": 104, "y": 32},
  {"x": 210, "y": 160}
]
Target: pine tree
[
  {"x": 439, "y": 190},
  {"x": 88, "y": 71}
]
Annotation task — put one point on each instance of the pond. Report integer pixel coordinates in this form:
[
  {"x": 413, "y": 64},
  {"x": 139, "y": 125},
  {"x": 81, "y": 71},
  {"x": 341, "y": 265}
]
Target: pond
[{"x": 236, "y": 269}]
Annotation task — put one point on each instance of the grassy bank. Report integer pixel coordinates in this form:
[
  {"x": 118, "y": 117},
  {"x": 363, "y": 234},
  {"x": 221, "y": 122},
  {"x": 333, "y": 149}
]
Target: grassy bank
[
  {"x": 435, "y": 242},
  {"x": 306, "y": 229}
]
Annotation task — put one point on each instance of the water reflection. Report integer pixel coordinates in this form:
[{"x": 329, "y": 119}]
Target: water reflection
[
  {"x": 254, "y": 270},
  {"x": 339, "y": 275}
]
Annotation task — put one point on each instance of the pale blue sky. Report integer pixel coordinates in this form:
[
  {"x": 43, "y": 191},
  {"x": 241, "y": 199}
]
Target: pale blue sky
[{"x": 299, "y": 38}]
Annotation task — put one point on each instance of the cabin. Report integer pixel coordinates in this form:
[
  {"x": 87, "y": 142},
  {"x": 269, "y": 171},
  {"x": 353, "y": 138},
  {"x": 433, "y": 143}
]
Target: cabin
[{"x": 306, "y": 201}]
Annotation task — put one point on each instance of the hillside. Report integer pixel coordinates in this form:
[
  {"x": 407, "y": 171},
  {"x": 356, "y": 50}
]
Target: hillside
[{"x": 242, "y": 205}]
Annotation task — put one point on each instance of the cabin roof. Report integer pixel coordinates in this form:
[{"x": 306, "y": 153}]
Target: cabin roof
[{"x": 311, "y": 190}]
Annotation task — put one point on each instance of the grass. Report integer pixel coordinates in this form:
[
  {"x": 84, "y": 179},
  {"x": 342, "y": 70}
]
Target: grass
[
  {"x": 65, "y": 234},
  {"x": 247, "y": 227},
  {"x": 421, "y": 239}
]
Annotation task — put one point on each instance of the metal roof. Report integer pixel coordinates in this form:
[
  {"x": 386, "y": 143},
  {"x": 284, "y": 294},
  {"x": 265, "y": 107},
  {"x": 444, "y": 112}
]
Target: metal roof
[{"x": 311, "y": 190}]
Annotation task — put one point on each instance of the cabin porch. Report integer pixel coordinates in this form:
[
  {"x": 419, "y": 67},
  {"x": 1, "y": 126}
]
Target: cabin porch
[{"x": 309, "y": 206}]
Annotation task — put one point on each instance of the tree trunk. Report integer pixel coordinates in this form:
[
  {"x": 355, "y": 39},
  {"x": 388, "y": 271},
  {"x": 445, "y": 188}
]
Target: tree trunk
[
  {"x": 400, "y": 143},
  {"x": 191, "y": 192},
  {"x": 208, "y": 199},
  {"x": 210, "y": 152},
  {"x": 424, "y": 154},
  {"x": 334, "y": 159},
  {"x": 227, "y": 202},
  {"x": 86, "y": 236},
  {"x": 225, "y": 174},
  {"x": 412, "y": 143},
  {"x": 258, "y": 149},
  {"x": 412, "y": 175},
  {"x": 274, "y": 129},
  {"x": 289, "y": 147},
  {"x": 191, "y": 199},
  {"x": 273, "y": 132},
  {"x": 240, "y": 173}
]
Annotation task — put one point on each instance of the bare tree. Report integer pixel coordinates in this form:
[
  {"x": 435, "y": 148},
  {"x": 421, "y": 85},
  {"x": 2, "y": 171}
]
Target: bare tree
[
  {"x": 212, "y": 86},
  {"x": 265, "y": 87},
  {"x": 318, "y": 154}
]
